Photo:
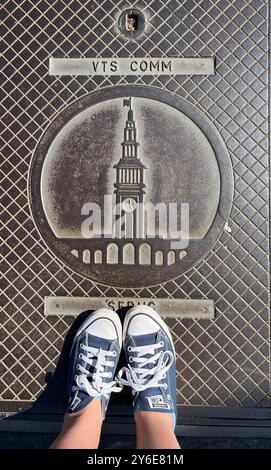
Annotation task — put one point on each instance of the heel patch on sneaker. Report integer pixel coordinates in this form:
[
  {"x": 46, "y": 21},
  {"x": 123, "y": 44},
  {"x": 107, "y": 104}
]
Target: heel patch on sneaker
[
  {"x": 158, "y": 401},
  {"x": 75, "y": 402}
]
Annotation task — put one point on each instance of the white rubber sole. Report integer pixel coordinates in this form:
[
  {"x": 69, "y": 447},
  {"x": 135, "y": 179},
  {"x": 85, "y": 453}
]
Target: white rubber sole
[
  {"x": 151, "y": 313},
  {"x": 102, "y": 313}
]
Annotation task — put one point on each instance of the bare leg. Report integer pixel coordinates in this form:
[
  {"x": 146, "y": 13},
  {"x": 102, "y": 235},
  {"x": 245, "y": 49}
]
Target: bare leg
[
  {"x": 155, "y": 431},
  {"x": 81, "y": 430}
]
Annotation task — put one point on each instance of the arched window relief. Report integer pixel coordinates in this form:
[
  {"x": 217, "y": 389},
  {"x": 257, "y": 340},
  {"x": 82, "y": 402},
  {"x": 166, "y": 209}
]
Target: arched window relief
[
  {"x": 129, "y": 254},
  {"x": 98, "y": 257},
  {"x": 159, "y": 258},
  {"x": 86, "y": 256},
  {"x": 145, "y": 254},
  {"x": 171, "y": 258},
  {"x": 112, "y": 254}
]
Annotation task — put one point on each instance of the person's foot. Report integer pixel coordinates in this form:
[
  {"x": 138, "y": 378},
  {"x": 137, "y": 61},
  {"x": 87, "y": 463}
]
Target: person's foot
[
  {"x": 150, "y": 354},
  {"x": 93, "y": 361}
]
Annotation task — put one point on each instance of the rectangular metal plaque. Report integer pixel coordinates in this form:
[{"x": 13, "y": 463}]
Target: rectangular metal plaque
[
  {"x": 169, "y": 308},
  {"x": 132, "y": 66}
]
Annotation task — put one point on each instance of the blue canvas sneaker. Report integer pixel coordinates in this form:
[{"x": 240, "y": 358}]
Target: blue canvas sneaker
[
  {"x": 150, "y": 355},
  {"x": 93, "y": 360}
]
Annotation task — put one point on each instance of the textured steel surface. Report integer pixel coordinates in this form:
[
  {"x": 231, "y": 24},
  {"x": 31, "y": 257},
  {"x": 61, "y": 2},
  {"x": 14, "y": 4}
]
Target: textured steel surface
[{"x": 223, "y": 362}]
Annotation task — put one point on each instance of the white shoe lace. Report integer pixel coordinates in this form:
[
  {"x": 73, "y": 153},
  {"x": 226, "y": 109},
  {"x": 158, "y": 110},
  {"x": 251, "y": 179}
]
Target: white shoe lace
[
  {"x": 98, "y": 358},
  {"x": 136, "y": 377}
]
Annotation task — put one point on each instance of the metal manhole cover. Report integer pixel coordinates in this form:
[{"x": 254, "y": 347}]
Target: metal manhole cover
[{"x": 119, "y": 178}]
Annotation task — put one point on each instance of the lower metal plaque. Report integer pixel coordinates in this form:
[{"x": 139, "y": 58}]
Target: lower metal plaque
[{"x": 170, "y": 308}]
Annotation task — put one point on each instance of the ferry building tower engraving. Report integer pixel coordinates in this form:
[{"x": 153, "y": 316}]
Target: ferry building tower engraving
[{"x": 130, "y": 186}]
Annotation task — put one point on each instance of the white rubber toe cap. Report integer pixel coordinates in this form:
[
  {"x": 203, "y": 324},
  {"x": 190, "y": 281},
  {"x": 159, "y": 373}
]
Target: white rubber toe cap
[
  {"x": 103, "y": 323},
  {"x": 143, "y": 320},
  {"x": 102, "y": 328},
  {"x": 142, "y": 325}
]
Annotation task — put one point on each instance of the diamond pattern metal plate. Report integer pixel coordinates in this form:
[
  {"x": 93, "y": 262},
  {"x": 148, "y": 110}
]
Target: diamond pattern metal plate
[{"x": 221, "y": 362}]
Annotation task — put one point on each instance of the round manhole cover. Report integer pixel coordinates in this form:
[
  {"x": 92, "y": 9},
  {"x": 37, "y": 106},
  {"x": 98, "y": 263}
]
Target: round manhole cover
[{"x": 131, "y": 186}]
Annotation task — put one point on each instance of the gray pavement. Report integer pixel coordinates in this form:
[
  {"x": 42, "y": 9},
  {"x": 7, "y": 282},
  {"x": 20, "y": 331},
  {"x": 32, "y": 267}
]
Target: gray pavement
[{"x": 9, "y": 440}]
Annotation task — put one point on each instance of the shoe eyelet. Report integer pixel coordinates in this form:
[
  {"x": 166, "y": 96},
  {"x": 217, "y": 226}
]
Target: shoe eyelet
[
  {"x": 129, "y": 349},
  {"x": 114, "y": 353},
  {"x": 131, "y": 359},
  {"x": 80, "y": 356},
  {"x": 168, "y": 397},
  {"x": 81, "y": 345},
  {"x": 164, "y": 376},
  {"x": 161, "y": 343},
  {"x": 165, "y": 386},
  {"x": 77, "y": 367},
  {"x": 112, "y": 364}
]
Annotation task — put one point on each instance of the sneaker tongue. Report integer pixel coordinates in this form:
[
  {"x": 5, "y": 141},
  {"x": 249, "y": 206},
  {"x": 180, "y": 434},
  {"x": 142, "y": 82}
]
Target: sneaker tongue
[
  {"x": 98, "y": 343},
  {"x": 147, "y": 340},
  {"x": 144, "y": 340}
]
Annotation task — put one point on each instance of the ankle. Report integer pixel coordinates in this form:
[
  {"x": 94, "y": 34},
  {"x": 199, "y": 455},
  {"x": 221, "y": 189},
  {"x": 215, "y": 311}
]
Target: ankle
[
  {"x": 155, "y": 431},
  {"x": 154, "y": 418}
]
